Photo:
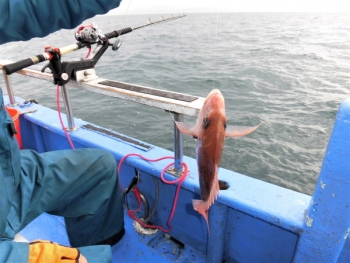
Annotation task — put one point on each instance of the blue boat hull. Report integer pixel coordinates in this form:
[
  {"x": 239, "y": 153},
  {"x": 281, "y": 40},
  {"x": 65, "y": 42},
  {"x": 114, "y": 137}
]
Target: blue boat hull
[{"x": 252, "y": 221}]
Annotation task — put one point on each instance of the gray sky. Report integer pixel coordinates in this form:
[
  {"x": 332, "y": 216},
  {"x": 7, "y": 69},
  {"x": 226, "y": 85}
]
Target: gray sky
[{"x": 213, "y": 6}]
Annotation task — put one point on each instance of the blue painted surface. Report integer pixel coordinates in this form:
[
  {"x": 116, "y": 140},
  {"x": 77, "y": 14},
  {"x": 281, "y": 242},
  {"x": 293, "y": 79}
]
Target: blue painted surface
[
  {"x": 132, "y": 248},
  {"x": 252, "y": 221},
  {"x": 263, "y": 242},
  {"x": 327, "y": 225}
]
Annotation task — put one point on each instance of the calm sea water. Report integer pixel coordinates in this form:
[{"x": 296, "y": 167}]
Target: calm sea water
[{"x": 289, "y": 71}]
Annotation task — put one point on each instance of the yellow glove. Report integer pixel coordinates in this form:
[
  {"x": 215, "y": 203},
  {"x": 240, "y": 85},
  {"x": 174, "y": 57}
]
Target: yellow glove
[{"x": 41, "y": 251}]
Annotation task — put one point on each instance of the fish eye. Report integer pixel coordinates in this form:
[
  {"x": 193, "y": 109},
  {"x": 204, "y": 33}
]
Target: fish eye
[{"x": 206, "y": 122}]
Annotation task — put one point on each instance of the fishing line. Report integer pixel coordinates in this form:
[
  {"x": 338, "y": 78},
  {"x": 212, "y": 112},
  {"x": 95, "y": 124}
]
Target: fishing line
[
  {"x": 215, "y": 47},
  {"x": 127, "y": 10},
  {"x": 137, "y": 193}
]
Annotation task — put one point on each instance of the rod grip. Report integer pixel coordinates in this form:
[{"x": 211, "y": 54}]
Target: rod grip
[
  {"x": 13, "y": 67},
  {"x": 125, "y": 30},
  {"x": 118, "y": 33}
]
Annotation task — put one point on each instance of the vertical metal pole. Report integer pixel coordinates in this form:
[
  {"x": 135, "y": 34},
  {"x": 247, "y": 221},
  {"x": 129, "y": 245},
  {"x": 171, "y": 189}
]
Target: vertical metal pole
[
  {"x": 9, "y": 88},
  {"x": 178, "y": 150},
  {"x": 68, "y": 107}
]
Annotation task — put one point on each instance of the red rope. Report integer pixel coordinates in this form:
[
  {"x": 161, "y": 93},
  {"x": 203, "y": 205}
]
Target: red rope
[
  {"x": 179, "y": 180},
  {"x": 88, "y": 54},
  {"x": 60, "y": 117},
  {"x": 59, "y": 108},
  {"x": 137, "y": 195}
]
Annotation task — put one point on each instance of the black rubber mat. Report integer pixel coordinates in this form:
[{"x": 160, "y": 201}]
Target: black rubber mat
[{"x": 159, "y": 93}]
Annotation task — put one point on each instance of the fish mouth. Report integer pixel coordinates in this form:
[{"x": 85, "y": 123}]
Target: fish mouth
[{"x": 214, "y": 92}]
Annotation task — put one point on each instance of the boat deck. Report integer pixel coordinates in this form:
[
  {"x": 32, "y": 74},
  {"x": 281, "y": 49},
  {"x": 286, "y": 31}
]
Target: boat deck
[{"x": 133, "y": 247}]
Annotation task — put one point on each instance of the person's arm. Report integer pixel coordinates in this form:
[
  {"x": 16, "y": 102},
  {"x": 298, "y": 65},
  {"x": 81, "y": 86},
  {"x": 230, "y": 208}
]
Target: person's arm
[
  {"x": 26, "y": 19},
  {"x": 9, "y": 251},
  {"x": 13, "y": 251},
  {"x": 23, "y": 20},
  {"x": 20, "y": 252}
]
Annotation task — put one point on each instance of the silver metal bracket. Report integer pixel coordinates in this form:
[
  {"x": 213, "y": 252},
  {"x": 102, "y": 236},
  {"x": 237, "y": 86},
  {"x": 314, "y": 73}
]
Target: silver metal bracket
[
  {"x": 85, "y": 75},
  {"x": 9, "y": 89},
  {"x": 173, "y": 171},
  {"x": 73, "y": 129}
]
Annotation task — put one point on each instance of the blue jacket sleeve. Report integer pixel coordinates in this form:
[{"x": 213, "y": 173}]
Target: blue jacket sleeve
[
  {"x": 14, "y": 252},
  {"x": 26, "y": 19},
  {"x": 23, "y": 20},
  {"x": 10, "y": 251}
]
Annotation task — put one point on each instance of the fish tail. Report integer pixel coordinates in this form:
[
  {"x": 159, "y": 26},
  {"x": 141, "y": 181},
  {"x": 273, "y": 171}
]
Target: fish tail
[{"x": 202, "y": 207}]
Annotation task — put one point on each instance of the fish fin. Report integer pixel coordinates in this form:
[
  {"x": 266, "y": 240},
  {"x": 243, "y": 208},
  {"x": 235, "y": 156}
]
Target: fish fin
[
  {"x": 202, "y": 207},
  {"x": 237, "y": 131},
  {"x": 186, "y": 128}
]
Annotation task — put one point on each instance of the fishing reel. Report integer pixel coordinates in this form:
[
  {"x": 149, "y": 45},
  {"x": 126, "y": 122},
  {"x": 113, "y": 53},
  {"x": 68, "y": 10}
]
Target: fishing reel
[{"x": 88, "y": 34}]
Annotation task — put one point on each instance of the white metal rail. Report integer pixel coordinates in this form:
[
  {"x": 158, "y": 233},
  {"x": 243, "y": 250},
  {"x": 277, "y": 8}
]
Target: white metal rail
[{"x": 178, "y": 103}]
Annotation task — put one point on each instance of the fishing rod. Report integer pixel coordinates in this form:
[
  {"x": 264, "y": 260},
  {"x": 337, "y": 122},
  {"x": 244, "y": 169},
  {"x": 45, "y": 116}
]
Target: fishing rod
[
  {"x": 86, "y": 36},
  {"x": 149, "y": 23}
]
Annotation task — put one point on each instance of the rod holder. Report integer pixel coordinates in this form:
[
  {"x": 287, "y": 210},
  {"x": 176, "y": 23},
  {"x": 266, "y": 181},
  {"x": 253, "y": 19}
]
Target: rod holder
[
  {"x": 177, "y": 169},
  {"x": 10, "y": 92},
  {"x": 68, "y": 107}
]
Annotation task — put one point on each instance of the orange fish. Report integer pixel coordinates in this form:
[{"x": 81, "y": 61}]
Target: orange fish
[{"x": 210, "y": 130}]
